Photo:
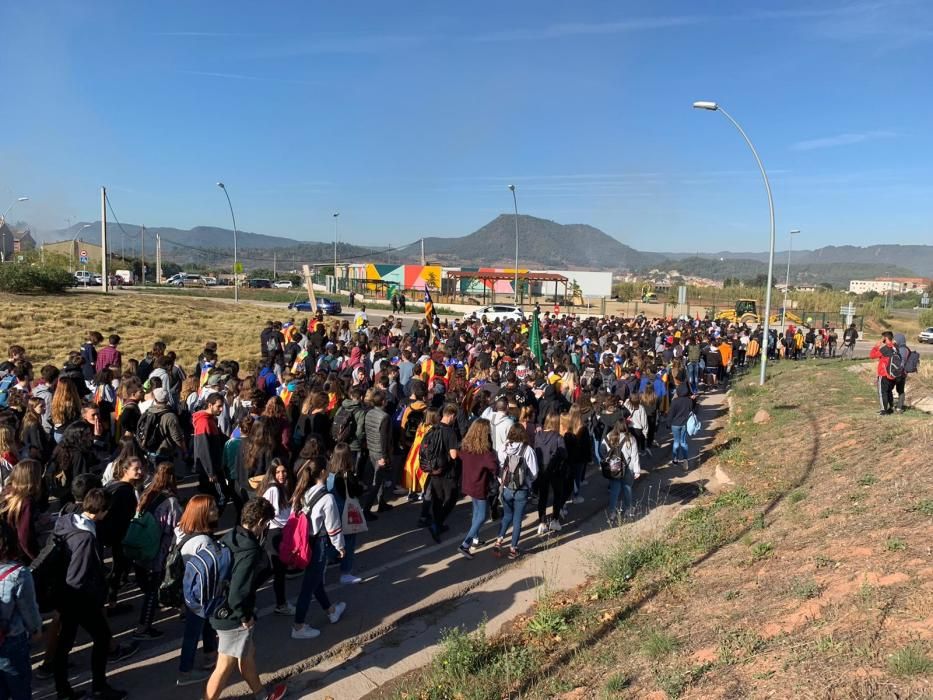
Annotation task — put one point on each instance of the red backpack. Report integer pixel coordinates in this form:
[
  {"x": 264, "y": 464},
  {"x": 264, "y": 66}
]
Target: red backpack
[{"x": 295, "y": 547}]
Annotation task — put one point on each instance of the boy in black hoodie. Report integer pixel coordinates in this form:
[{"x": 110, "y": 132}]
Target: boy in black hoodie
[
  {"x": 235, "y": 619},
  {"x": 82, "y": 597}
]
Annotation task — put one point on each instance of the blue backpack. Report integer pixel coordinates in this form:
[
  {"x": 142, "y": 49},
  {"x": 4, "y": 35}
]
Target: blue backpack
[
  {"x": 207, "y": 579},
  {"x": 5, "y": 384}
]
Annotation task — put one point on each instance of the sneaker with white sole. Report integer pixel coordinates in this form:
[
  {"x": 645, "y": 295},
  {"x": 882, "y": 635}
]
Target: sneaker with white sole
[
  {"x": 542, "y": 529},
  {"x": 335, "y": 616},
  {"x": 191, "y": 677},
  {"x": 563, "y": 513},
  {"x": 555, "y": 525},
  {"x": 305, "y": 632},
  {"x": 286, "y": 609},
  {"x": 349, "y": 579}
]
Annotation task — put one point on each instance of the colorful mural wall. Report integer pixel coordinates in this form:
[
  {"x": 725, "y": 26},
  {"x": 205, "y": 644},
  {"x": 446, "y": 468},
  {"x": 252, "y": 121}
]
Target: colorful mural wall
[{"x": 390, "y": 277}]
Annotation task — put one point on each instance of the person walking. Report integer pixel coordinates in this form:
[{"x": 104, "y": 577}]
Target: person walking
[
  {"x": 621, "y": 466},
  {"x": 438, "y": 455},
  {"x": 889, "y": 370},
  {"x": 347, "y": 490},
  {"x": 378, "y": 431},
  {"x": 677, "y": 414},
  {"x": 312, "y": 499},
  {"x": 518, "y": 472},
  {"x": 551, "y": 454},
  {"x": 19, "y": 618},
  {"x": 277, "y": 487},
  {"x": 235, "y": 618},
  {"x": 480, "y": 465}
]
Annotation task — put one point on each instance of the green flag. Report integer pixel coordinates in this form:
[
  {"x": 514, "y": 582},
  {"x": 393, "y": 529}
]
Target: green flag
[{"x": 534, "y": 340}]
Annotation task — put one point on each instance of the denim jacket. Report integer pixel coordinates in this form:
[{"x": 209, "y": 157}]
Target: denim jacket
[{"x": 19, "y": 612}]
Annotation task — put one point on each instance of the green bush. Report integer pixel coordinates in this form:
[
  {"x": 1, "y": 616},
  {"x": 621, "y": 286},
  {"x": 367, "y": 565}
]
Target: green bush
[
  {"x": 926, "y": 318},
  {"x": 24, "y": 278}
]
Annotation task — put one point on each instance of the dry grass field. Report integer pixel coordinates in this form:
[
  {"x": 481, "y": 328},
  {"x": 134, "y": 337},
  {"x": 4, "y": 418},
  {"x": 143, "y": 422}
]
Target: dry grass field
[{"x": 50, "y": 326}]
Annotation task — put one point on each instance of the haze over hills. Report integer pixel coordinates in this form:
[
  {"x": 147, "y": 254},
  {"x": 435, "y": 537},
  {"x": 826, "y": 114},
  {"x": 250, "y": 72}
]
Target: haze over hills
[{"x": 542, "y": 244}]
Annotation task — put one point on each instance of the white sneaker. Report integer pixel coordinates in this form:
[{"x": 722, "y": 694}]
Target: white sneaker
[
  {"x": 555, "y": 525},
  {"x": 287, "y": 609},
  {"x": 349, "y": 579},
  {"x": 542, "y": 529},
  {"x": 334, "y": 617},
  {"x": 305, "y": 632}
]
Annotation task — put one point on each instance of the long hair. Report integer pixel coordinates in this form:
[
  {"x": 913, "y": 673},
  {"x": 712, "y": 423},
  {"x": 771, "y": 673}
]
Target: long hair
[
  {"x": 341, "y": 460},
  {"x": 66, "y": 402},
  {"x": 478, "y": 439},
  {"x": 285, "y": 490},
  {"x": 163, "y": 481},
  {"x": 7, "y": 439},
  {"x": 31, "y": 418},
  {"x": 262, "y": 437},
  {"x": 315, "y": 401},
  {"x": 197, "y": 515},
  {"x": 76, "y": 439},
  {"x": 275, "y": 408},
  {"x": 25, "y": 482},
  {"x": 308, "y": 476},
  {"x": 576, "y": 420}
]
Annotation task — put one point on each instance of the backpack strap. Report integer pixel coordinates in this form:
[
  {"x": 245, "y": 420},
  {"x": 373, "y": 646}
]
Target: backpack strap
[{"x": 314, "y": 501}]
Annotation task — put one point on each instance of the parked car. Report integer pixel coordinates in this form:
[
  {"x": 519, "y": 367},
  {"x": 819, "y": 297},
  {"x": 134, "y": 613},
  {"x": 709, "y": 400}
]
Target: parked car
[
  {"x": 283, "y": 284},
  {"x": 187, "y": 280},
  {"x": 328, "y": 307},
  {"x": 86, "y": 278},
  {"x": 497, "y": 312},
  {"x": 259, "y": 283},
  {"x": 925, "y": 336},
  {"x": 210, "y": 281}
]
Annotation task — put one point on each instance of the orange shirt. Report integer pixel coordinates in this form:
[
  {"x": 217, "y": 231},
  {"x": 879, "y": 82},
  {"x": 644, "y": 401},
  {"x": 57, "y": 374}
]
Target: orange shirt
[{"x": 725, "y": 351}]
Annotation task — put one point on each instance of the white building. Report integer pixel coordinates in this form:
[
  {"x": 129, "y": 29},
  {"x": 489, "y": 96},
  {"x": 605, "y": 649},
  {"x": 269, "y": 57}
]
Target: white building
[{"x": 879, "y": 286}]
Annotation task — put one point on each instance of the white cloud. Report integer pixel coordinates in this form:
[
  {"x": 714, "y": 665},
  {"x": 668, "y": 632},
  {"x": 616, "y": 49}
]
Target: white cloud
[{"x": 846, "y": 139}]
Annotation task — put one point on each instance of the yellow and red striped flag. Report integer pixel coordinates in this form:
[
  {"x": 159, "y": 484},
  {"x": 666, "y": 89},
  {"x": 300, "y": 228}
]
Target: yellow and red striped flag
[{"x": 413, "y": 478}]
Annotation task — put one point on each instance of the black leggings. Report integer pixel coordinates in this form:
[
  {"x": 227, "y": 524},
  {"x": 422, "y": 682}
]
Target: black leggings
[
  {"x": 149, "y": 584},
  {"x": 278, "y": 568},
  {"x": 78, "y": 611},
  {"x": 546, "y": 483}
]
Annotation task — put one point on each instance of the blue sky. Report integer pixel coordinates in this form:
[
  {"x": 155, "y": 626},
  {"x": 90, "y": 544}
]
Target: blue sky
[{"x": 411, "y": 118}]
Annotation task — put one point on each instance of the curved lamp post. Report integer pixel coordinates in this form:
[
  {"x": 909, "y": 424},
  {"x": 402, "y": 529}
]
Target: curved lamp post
[
  {"x": 515, "y": 202},
  {"x": 236, "y": 285},
  {"x": 714, "y": 107}
]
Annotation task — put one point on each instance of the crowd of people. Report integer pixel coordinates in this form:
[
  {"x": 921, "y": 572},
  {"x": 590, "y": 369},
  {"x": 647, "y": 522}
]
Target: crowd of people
[{"x": 306, "y": 446}]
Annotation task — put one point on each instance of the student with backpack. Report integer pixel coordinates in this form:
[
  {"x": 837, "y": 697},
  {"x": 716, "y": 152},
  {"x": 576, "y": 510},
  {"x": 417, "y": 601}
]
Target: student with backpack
[
  {"x": 234, "y": 617},
  {"x": 347, "y": 490},
  {"x": 20, "y": 620},
  {"x": 911, "y": 363},
  {"x": 519, "y": 468},
  {"x": 889, "y": 370},
  {"x": 621, "y": 466},
  {"x": 128, "y": 477},
  {"x": 551, "y": 454},
  {"x": 321, "y": 521},
  {"x": 197, "y": 547},
  {"x": 81, "y": 593},
  {"x": 480, "y": 464},
  {"x": 160, "y": 510}
]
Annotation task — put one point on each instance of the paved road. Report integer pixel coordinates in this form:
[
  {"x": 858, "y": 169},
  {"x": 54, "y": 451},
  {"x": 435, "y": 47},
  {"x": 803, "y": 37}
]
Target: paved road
[{"x": 405, "y": 575}]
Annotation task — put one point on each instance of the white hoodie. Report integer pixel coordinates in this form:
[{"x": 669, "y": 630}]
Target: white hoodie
[
  {"x": 501, "y": 424},
  {"x": 514, "y": 448}
]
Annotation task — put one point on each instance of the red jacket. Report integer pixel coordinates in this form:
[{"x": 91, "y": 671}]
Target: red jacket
[
  {"x": 205, "y": 423},
  {"x": 882, "y": 352}
]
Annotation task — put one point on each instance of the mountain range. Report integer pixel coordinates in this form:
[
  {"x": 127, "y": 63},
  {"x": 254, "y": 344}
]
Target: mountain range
[{"x": 543, "y": 244}]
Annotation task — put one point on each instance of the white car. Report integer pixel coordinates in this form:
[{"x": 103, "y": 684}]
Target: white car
[
  {"x": 497, "y": 312},
  {"x": 926, "y": 336},
  {"x": 282, "y": 284}
]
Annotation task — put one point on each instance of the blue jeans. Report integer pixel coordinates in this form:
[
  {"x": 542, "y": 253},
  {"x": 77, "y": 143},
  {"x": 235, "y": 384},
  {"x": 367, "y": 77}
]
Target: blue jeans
[
  {"x": 196, "y": 627},
  {"x": 513, "y": 510},
  {"x": 15, "y": 668},
  {"x": 693, "y": 376},
  {"x": 349, "y": 552},
  {"x": 312, "y": 583},
  {"x": 479, "y": 516},
  {"x": 680, "y": 442},
  {"x": 621, "y": 487}
]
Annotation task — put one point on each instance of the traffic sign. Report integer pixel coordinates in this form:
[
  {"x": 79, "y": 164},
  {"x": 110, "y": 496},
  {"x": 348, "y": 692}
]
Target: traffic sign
[
  {"x": 83, "y": 259},
  {"x": 83, "y": 253}
]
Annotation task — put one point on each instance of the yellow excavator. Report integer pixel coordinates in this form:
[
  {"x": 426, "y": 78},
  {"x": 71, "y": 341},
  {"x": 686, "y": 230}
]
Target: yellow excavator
[{"x": 746, "y": 311}]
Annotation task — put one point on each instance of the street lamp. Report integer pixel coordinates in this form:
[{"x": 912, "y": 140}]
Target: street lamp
[
  {"x": 515, "y": 202},
  {"x": 236, "y": 285},
  {"x": 12, "y": 204},
  {"x": 336, "y": 216},
  {"x": 73, "y": 242},
  {"x": 714, "y": 107},
  {"x": 787, "y": 277}
]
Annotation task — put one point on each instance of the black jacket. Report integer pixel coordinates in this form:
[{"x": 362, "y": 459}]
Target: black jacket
[
  {"x": 680, "y": 407},
  {"x": 85, "y": 576},
  {"x": 250, "y": 568}
]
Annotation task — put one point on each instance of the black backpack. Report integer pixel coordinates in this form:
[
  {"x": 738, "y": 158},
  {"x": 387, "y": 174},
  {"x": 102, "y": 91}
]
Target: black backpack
[
  {"x": 171, "y": 589},
  {"x": 344, "y": 427},
  {"x": 515, "y": 473},
  {"x": 912, "y": 363},
  {"x": 148, "y": 431},
  {"x": 49, "y": 570},
  {"x": 431, "y": 452},
  {"x": 896, "y": 364},
  {"x": 415, "y": 419}
]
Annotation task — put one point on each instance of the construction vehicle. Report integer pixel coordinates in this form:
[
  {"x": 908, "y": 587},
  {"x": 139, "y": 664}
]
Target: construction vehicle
[{"x": 746, "y": 311}]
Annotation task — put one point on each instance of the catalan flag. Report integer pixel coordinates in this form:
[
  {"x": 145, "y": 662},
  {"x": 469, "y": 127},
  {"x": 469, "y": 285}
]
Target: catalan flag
[
  {"x": 413, "y": 478},
  {"x": 118, "y": 408},
  {"x": 431, "y": 315},
  {"x": 206, "y": 368}
]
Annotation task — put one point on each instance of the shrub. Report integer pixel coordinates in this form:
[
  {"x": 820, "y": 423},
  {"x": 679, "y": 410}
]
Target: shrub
[
  {"x": 22, "y": 278},
  {"x": 910, "y": 661},
  {"x": 926, "y": 318}
]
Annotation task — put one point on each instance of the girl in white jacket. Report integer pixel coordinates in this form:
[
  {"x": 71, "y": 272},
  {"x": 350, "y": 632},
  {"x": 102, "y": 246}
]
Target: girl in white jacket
[
  {"x": 619, "y": 458},
  {"x": 638, "y": 420}
]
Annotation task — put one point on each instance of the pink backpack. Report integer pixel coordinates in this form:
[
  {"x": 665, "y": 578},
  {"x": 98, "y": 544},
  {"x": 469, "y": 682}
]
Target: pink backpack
[{"x": 295, "y": 547}]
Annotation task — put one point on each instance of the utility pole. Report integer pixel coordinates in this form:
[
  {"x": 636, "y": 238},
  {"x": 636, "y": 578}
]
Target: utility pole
[
  {"x": 274, "y": 273},
  {"x": 104, "y": 278},
  {"x": 422, "y": 252},
  {"x": 158, "y": 259},
  {"x": 142, "y": 254}
]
